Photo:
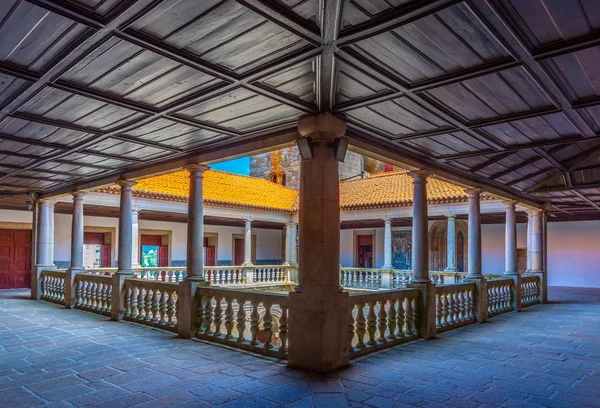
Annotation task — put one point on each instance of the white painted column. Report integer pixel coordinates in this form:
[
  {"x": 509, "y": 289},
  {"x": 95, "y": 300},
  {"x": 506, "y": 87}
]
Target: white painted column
[
  {"x": 420, "y": 228},
  {"x": 294, "y": 244},
  {"x": 43, "y": 234},
  {"x": 288, "y": 243},
  {"x": 529, "y": 232},
  {"x": 77, "y": 232},
  {"x": 135, "y": 238},
  {"x": 451, "y": 244},
  {"x": 510, "y": 239},
  {"x": 126, "y": 228},
  {"x": 195, "y": 232},
  {"x": 387, "y": 244},
  {"x": 248, "y": 242},
  {"x": 536, "y": 241},
  {"x": 474, "y": 249},
  {"x": 51, "y": 235}
]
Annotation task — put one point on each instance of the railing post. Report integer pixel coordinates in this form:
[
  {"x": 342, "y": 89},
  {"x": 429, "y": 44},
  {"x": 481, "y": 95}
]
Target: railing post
[
  {"x": 387, "y": 278},
  {"x": 249, "y": 272},
  {"x": 426, "y": 309},
  {"x": 517, "y": 295},
  {"x": 481, "y": 300},
  {"x": 543, "y": 285},
  {"x": 117, "y": 301}
]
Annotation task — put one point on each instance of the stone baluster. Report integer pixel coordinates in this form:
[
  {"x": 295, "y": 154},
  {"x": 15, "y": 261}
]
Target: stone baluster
[
  {"x": 268, "y": 325},
  {"x": 171, "y": 308},
  {"x": 229, "y": 318},
  {"x": 361, "y": 326},
  {"x": 400, "y": 319},
  {"x": 283, "y": 329},
  {"x": 382, "y": 321},
  {"x": 241, "y": 321},
  {"x": 254, "y": 320},
  {"x": 391, "y": 321}
]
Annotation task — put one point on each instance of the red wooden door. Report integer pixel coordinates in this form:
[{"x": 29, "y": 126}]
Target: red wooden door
[
  {"x": 238, "y": 258},
  {"x": 163, "y": 256},
  {"x": 15, "y": 259},
  {"x": 105, "y": 259},
  {"x": 210, "y": 256}
]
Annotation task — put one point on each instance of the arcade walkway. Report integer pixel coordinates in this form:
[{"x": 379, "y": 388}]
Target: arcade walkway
[{"x": 50, "y": 355}]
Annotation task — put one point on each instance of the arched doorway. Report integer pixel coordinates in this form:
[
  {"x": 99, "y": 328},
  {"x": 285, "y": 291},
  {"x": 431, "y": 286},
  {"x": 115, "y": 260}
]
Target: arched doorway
[{"x": 438, "y": 235}]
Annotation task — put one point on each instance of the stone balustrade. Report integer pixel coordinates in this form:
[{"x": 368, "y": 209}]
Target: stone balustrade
[
  {"x": 530, "y": 290},
  {"x": 52, "y": 284},
  {"x": 382, "y": 319},
  {"x": 225, "y": 275},
  {"x": 499, "y": 296},
  {"x": 250, "y": 320},
  {"x": 101, "y": 271},
  {"x": 454, "y": 305},
  {"x": 151, "y": 302},
  {"x": 93, "y": 293},
  {"x": 361, "y": 278},
  {"x": 274, "y": 273},
  {"x": 163, "y": 274}
]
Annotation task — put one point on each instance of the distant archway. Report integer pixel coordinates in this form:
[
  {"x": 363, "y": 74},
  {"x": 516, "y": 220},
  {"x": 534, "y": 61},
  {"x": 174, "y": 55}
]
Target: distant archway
[{"x": 438, "y": 235}]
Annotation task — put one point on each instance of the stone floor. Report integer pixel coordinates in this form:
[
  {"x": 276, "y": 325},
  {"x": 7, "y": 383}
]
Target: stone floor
[{"x": 545, "y": 356}]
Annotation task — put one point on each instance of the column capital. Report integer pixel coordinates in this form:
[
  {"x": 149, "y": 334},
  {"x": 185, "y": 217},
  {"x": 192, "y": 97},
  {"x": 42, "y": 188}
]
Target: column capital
[
  {"x": 510, "y": 203},
  {"x": 451, "y": 216},
  {"x": 248, "y": 220},
  {"x": 78, "y": 195},
  {"x": 126, "y": 184},
  {"x": 196, "y": 169},
  {"x": 323, "y": 127},
  {"x": 290, "y": 224},
  {"x": 534, "y": 211},
  {"x": 387, "y": 219},
  {"x": 473, "y": 192},
  {"x": 419, "y": 176}
]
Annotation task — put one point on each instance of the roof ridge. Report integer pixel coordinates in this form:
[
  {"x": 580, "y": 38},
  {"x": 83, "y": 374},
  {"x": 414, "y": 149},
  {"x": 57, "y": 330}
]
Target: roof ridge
[{"x": 253, "y": 178}]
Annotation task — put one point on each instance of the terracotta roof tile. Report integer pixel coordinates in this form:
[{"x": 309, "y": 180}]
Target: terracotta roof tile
[{"x": 233, "y": 190}]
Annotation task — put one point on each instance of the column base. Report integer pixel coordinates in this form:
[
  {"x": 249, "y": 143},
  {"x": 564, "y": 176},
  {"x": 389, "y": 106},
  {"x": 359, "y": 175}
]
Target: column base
[
  {"x": 246, "y": 264},
  {"x": 473, "y": 278},
  {"x": 426, "y": 309},
  {"x": 421, "y": 281},
  {"x": 451, "y": 270},
  {"x": 387, "y": 267},
  {"x": 197, "y": 279},
  {"x": 318, "y": 334},
  {"x": 187, "y": 306}
]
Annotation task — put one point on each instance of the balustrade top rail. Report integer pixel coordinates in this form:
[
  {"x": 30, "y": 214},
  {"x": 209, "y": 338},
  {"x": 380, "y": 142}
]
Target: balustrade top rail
[{"x": 367, "y": 297}]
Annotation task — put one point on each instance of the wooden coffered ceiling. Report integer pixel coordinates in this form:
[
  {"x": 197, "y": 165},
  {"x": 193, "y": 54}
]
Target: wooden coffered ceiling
[{"x": 504, "y": 93}]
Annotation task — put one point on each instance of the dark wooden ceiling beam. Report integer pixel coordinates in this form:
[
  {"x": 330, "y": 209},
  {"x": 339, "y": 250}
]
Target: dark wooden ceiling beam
[
  {"x": 392, "y": 19},
  {"x": 68, "y": 10},
  {"x": 573, "y": 187},
  {"x": 330, "y": 24},
  {"x": 58, "y": 173},
  {"x": 556, "y": 49},
  {"x": 530, "y": 176},
  {"x": 285, "y": 18},
  {"x": 586, "y": 199},
  {"x": 512, "y": 117},
  {"x": 489, "y": 162}
]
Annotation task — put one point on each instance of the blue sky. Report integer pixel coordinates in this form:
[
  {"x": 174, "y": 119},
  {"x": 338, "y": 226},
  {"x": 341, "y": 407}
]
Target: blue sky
[{"x": 238, "y": 166}]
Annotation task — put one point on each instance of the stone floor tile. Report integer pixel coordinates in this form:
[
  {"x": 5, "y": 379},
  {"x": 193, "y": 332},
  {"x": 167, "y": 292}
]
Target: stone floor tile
[
  {"x": 284, "y": 394},
  {"x": 221, "y": 396},
  {"x": 330, "y": 401},
  {"x": 124, "y": 402},
  {"x": 65, "y": 393}
]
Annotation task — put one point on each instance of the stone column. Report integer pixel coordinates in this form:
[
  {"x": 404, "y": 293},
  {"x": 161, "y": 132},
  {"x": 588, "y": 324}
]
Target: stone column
[
  {"x": 45, "y": 229},
  {"x": 420, "y": 229},
  {"x": 387, "y": 244},
  {"x": 510, "y": 247},
  {"x": 420, "y": 257},
  {"x": 529, "y": 232},
  {"x": 474, "y": 248},
  {"x": 451, "y": 244},
  {"x": 288, "y": 244},
  {"x": 544, "y": 274},
  {"x": 76, "y": 249},
  {"x": 135, "y": 238},
  {"x": 510, "y": 239},
  {"x": 125, "y": 249},
  {"x": 51, "y": 235},
  {"x": 536, "y": 241},
  {"x": 474, "y": 255},
  {"x": 247, "y": 242},
  {"x": 318, "y": 307},
  {"x": 294, "y": 244},
  {"x": 34, "y": 240},
  {"x": 187, "y": 323}
]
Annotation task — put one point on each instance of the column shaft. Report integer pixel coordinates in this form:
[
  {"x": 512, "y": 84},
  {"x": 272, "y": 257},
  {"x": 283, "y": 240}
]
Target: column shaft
[
  {"x": 126, "y": 228},
  {"x": 135, "y": 239},
  {"x": 43, "y": 235},
  {"x": 536, "y": 241},
  {"x": 294, "y": 244},
  {"x": 420, "y": 228},
  {"x": 77, "y": 232},
  {"x": 51, "y": 234},
  {"x": 195, "y": 232},
  {"x": 288, "y": 244},
  {"x": 451, "y": 245},
  {"x": 387, "y": 244},
  {"x": 474, "y": 249},
  {"x": 248, "y": 243},
  {"x": 529, "y": 233},
  {"x": 510, "y": 239}
]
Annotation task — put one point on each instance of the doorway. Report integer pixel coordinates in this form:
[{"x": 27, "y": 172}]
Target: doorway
[
  {"x": 15, "y": 259},
  {"x": 154, "y": 253},
  {"x": 364, "y": 251},
  {"x": 97, "y": 251}
]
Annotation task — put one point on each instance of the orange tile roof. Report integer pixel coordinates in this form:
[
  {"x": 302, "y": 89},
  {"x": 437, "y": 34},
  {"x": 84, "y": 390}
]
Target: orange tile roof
[
  {"x": 233, "y": 190},
  {"x": 219, "y": 188},
  {"x": 395, "y": 190}
]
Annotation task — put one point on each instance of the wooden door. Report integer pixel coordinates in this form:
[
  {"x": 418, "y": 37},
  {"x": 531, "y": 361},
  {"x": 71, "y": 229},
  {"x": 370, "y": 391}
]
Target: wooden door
[
  {"x": 163, "y": 256},
  {"x": 238, "y": 258},
  {"x": 15, "y": 259},
  {"x": 210, "y": 256},
  {"x": 105, "y": 259}
]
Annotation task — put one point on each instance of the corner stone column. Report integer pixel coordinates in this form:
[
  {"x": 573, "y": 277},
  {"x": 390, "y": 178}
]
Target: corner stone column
[
  {"x": 387, "y": 244},
  {"x": 187, "y": 323},
  {"x": 536, "y": 241},
  {"x": 474, "y": 253},
  {"x": 544, "y": 275},
  {"x": 294, "y": 244},
  {"x": 125, "y": 249},
  {"x": 420, "y": 257},
  {"x": 247, "y": 242},
  {"x": 529, "y": 233},
  {"x": 451, "y": 244},
  {"x": 135, "y": 238},
  {"x": 76, "y": 249},
  {"x": 510, "y": 245},
  {"x": 51, "y": 235},
  {"x": 288, "y": 244},
  {"x": 318, "y": 307},
  {"x": 44, "y": 231}
]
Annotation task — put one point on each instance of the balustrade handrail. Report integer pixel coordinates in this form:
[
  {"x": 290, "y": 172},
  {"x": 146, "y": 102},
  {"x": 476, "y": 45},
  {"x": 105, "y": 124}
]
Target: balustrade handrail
[{"x": 382, "y": 295}]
